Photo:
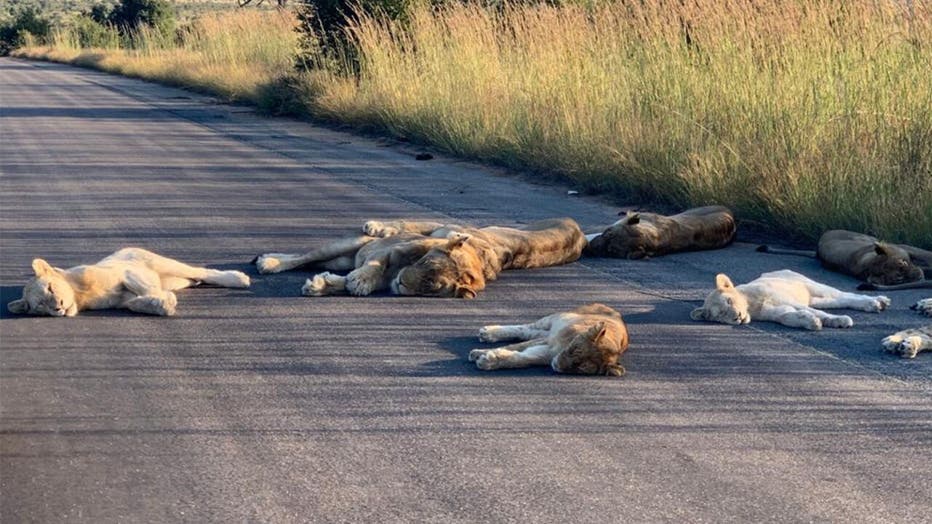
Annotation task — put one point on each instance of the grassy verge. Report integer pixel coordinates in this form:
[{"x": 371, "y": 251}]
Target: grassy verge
[{"x": 807, "y": 114}]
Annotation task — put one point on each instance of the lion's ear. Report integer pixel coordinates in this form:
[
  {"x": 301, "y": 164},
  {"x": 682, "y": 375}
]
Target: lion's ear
[
  {"x": 697, "y": 314},
  {"x": 614, "y": 370},
  {"x": 597, "y": 331},
  {"x": 722, "y": 282},
  {"x": 880, "y": 248},
  {"x": 465, "y": 292},
  {"x": 18, "y": 306},
  {"x": 633, "y": 218},
  {"x": 456, "y": 240},
  {"x": 42, "y": 268}
]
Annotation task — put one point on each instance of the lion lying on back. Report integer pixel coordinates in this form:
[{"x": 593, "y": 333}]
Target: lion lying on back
[
  {"x": 640, "y": 235},
  {"x": 879, "y": 264},
  {"x": 131, "y": 278},
  {"x": 585, "y": 341},
  {"x": 909, "y": 342},
  {"x": 784, "y": 297},
  {"x": 430, "y": 258}
]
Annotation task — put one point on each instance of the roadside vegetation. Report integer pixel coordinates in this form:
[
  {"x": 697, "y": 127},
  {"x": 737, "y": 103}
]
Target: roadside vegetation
[{"x": 808, "y": 115}]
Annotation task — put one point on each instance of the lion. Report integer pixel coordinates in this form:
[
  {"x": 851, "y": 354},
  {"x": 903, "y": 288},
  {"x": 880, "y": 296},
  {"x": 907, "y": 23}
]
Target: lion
[
  {"x": 642, "y": 235},
  {"x": 131, "y": 278},
  {"x": 431, "y": 258},
  {"x": 587, "y": 340},
  {"x": 880, "y": 265},
  {"x": 785, "y": 297},
  {"x": 909, "y": 342}
]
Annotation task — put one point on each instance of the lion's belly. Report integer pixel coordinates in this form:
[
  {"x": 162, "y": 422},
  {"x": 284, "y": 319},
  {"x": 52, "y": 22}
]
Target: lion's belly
[{"x": 776, "y": 292}]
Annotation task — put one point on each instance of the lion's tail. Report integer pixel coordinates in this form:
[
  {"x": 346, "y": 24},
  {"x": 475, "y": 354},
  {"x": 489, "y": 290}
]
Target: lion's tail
[{"x": 779, "y": 251}]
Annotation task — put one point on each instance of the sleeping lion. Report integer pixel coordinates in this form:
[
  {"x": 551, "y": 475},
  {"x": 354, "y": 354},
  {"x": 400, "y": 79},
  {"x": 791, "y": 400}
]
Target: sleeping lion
[
  {"x": 880, "y": 265},
  {"x": 640, "y": 235},
  {"x": 585, "y": 341},
  {"x": 430, "y": 258},
  {"x": 131, "y": 278},
  {"x": 784, "y": 297},
  {"x": 909, "y": 342}
]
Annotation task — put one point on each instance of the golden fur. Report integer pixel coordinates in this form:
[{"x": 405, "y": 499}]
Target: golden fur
[
  {"x": 640, "y": 235},
  {"x": 587, "y": 340},
  {"x": 430, "y": 258},
  {"x": 785, "y": 297},
  {"x": 130, "y": 278}
]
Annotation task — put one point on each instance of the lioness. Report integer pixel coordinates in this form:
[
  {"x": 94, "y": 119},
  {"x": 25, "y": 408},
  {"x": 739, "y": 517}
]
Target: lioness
[
  {"x": 585, "y": 341},
  {"x": 880, "y": 265},
  {"x": 909, "y": 342},
  {"x": 430, "y": 258},
  {"x": 640, "y": 235},
  {"x": 131, "y": 278},
  {"x": 784, "y": 297}
]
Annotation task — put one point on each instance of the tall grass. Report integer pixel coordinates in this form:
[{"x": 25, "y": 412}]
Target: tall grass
[
  {"x": 233, "y": 54},
  {"x": 812, "y": 114}
]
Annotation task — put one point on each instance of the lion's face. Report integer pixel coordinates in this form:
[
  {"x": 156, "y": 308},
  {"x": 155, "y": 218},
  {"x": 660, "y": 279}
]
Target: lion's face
[
  {"x": 452, "y": 270},
  {"x": 624, "y": 239},
  {"x": 589, "y": 353},
  {"x": 725, "y": 304},
  {"x": 46, "y": 294},
  {"x": 892, "y": 266}
]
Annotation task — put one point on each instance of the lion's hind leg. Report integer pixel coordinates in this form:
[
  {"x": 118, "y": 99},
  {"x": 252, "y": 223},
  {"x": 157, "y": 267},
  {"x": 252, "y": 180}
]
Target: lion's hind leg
[
  {"x": 909, "y": 342},
  {"x": 827, "y": 297},
  {"x": 173, "y": 274},
  {"x": 496, "y": 333}
]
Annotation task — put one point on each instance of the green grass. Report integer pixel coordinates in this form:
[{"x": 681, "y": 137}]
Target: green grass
[{"x": 808, "y": 115}]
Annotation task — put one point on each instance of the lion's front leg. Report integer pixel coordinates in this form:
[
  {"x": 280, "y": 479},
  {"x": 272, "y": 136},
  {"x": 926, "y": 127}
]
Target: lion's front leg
[
  {"x": 163, "y": 306},
  {"x": 323, "y": 284},
  {"x": 524, "y": 354},
  {"x": 376, "y": 228},
  {"x": 366, "y": 279}
]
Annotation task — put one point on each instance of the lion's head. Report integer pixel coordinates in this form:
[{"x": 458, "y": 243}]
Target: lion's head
[
  {"x": 590, "y": 353},
  {"x": 623, "y": 239},
  {"x": 891, "y": 266},
  {"x": 454, "y": 269},
  {"x": 46, "y": 294},
  {"x": 725, "y": 304}
]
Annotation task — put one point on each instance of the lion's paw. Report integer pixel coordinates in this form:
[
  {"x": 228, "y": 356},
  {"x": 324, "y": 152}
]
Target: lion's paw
[
  {"x": 316, "y": 286},
  {"x": 169, "y": 304},
  {"x": 487, "y": 334},
  {"x": 268, "y": 264},
  {"x": 812, "y": 323},
  {"x": 374, "y": 228},
  {"x": 924, "y": 307},
  {"x": 476, "y": 353},
  {"x": 240, "y": 279},
  {"x": 487, "y": 361},
  {"x": 878, "y": 304},
  {"x": 840, "y": 321}
]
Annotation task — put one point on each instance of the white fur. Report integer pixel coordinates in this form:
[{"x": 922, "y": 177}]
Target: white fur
[{"x": 784, "y": 297}]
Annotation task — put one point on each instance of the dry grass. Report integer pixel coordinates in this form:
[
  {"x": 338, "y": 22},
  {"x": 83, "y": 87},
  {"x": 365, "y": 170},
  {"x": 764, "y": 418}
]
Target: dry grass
[
  {"x": 231, "y": 54},
  {"x": 813, "y": 114}
]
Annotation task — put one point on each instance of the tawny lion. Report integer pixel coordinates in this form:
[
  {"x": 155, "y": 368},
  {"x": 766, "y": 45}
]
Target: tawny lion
[
  {"x": 639, "y": 235},
  {"x": 587, "y": 340},
  {"x": 910, "y": 342},
  {"x": 131, "y": 278},
  {"x": 430, "y": 258}
]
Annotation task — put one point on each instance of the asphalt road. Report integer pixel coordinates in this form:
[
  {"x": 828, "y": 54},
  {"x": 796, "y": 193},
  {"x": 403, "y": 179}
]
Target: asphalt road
[{"x": 261, "y": 405}]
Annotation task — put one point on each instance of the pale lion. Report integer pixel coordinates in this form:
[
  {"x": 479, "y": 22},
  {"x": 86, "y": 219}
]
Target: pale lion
[
  {"x": 880, "y": 265},
  {"x": 784, "y": 297},
  {"x": 430, "y": 258},
  {"x": 131, "y": 278},
  {"x": 586, "y": 341},
  {"x": 639, "y": 235},
  {"x": 909, "y": 342}
]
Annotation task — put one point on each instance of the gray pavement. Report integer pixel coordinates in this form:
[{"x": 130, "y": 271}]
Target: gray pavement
[{"x": 263, "y": 406}]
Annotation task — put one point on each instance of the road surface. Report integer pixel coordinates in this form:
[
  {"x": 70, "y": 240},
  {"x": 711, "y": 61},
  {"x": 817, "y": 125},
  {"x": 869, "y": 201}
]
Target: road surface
[{"x": 261, "y": 405}]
